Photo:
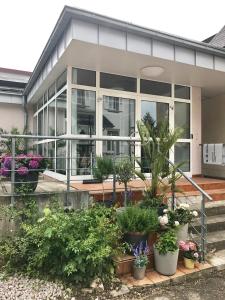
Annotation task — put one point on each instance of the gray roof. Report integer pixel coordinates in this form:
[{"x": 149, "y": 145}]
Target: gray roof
[
  {"x": 219, "y": 39},
  {"x": 70, "y": 12}
]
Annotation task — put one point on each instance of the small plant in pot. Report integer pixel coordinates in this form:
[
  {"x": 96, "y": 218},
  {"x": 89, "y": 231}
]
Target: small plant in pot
[
  {"x": 166, "y": 253},
  {"x": 141, "y": 260},
  {"x": 155, "y": 202},
  {"x": 136, "y": 223},
  {"x": 191, "y": 253}
]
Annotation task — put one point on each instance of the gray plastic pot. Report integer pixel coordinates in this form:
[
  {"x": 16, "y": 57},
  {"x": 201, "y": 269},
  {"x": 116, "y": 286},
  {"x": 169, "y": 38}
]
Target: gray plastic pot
[
  {"x": 182, "y": 233},
  {"x": 139, "y": 273},
  {"x": 166, "y": 264}
]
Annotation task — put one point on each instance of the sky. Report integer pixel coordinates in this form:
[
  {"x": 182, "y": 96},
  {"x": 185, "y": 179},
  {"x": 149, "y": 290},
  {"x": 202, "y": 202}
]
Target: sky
[{"x": 25, "y": 25}]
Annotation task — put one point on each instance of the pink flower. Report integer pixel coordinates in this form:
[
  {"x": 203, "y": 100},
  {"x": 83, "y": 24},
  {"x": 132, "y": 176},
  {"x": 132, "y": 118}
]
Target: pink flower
[
  {"x": 36, "y": 157},
  {"x": 192, "y": 246},
  {"x": 22, "y": 171},
  {"x": 4, "y": 172},
  {"x": 34, "y": 164}
]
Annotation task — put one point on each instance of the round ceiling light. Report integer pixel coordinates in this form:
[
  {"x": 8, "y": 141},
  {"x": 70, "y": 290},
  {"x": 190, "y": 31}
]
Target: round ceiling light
[{"x": 152, "y": 71}]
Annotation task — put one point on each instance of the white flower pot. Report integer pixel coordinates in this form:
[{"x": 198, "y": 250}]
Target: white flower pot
[
  {"x": 182, "y": 233},
  {"x": 166, "y": 264}
]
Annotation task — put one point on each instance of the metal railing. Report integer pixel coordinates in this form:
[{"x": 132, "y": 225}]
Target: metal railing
[{"x": 69, "y": 169}]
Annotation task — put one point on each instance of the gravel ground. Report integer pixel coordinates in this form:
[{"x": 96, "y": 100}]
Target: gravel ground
[{"x": 208, "y": 287}]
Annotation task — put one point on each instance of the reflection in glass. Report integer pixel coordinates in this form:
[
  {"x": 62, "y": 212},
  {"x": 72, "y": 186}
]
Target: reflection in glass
[
  {"x": 61, "y": 81},
  {"x": 118, "y": 82},
  {"x": 40, "y": 123},
  {"x": 35, "y": 125},
  {"x": 61, "y": 157},
  {"x": 118, "y": 116},
  {"x": 154, "y": 112},
  {"x": 182, "y": 118},
  {"x": 82, "y": 157},
  {"x": 182, "y": 155},
  {"x": 51, "y": 156},
  {"x": 45, "y": 111},
  {"x": 61, "y": 114},
  {"x": 118, "y": 148},
  {"x": 83, "y": 112},
  {"x": 84, "y": 77},
  {"x": 51, "y": 118},
  {"x": 182, "y": 92},
  {"x": 155, "y": 88}
]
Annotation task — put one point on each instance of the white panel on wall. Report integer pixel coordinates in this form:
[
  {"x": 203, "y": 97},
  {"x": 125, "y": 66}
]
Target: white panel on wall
[
  {"x": 184, "y": 55},
  {"x": 219, "y": 63},
  {"x": 163, "y": 50},
  {"x": 68, "y": 35},
  {"x": 138, "y": 44},
  {"x": 204, "y": 60},
  {"x": 112, "y": 38},
  {"x": 84, "y": 31},
  {"x": 61, "y": 47}
]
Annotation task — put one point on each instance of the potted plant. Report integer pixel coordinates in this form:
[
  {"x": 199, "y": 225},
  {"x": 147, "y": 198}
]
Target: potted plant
[
  {"x": 27, "y": 168},
  {"x": 190, "y": 253},
  {"x": 153, "y": 202},
  {"x": 136, "y": 223},
  {"x": 180, "y": 217},
  {"x": 141, "y": 260},
  {"x": 166, "y": 253},
  {"x": 125, "y": 173}
]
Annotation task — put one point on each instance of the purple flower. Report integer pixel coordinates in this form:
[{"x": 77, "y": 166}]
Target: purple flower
[
  {"x": 7, "y": 162},
  {"x": 21, "y": 157},
  {"x": 4, "y": 171},
  {"x": 33, "y": 164},
  {"x": 36, "y": 157},
  {"x": 22, "y": 171}
]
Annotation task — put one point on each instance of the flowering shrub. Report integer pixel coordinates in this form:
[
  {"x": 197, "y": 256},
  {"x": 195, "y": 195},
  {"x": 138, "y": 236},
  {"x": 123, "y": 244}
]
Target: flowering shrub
[
  {"x": 24, "y": 163},
  {"x": 140, "y": 252},
  {"x": 190, "y": 250},
  {"x": 180, "y": 216}
]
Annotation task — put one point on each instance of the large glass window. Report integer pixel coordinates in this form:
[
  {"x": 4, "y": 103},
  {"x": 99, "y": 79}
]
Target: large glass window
[
  {"x": 182, "y": 92},
  {"x": 182, "y": 155},
  {"x": 51, "y": 156},
  {"x": 61, "y": 120},
  {"x": 83, "y": 112},
  {"x": 84, "y": 77},
  {"x": 182, "y": 118},
  {"x": 51, "y": 91},
  {"x": 83, "y": 154},
  {"x": 61, "y": 157},
  {"x": 154, "y": 112},
  {"x": 118, "y": 116},
  {"x": 155, "y": 88},
  {"x": 40, "y": 123},
  {"x": 35, "y": 125},
  {"x": 51, "y": 118},
  {"x": 45, "y": 111},
  {"x": 119, "y": 148},
  {"x": 117, "y": 82},
  {"x": 61, "y": 81}
]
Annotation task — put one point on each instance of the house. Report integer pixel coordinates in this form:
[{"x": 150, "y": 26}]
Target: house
[{"x": 97, "y": 76}]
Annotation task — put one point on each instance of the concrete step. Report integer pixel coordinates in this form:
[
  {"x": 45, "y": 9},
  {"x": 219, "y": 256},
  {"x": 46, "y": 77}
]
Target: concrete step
[
  {"x": 214, "y": 223},
  {"x": 216, "y": 240}
]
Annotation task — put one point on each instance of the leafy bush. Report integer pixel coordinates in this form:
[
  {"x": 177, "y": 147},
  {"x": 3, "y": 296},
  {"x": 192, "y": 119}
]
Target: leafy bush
[
  {"x": 103, "y": 168},
  {"x": 136, "y": 219},
  {"x": 181, "y": 214},
  {"x": 167, "y": 242},
  {"x": 75, "y": 246},
  {"x": 151, "y": 202}
]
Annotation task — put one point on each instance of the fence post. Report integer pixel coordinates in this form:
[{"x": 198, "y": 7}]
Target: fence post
[
  {"x": 68, "y": 172},
  {"x": 13, "y": 145},
  {"x": 203, "y": 228},
  {"x": 114, "y": 173}
]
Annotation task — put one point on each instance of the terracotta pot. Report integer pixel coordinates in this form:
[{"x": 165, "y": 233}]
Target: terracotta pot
[
  {"x": 189, "y": 263},
  {"x": 139, "y": 273}
]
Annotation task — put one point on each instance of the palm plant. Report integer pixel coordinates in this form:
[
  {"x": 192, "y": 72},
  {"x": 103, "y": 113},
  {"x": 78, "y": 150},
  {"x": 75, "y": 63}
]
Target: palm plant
[{"x": 156, "y": 141}]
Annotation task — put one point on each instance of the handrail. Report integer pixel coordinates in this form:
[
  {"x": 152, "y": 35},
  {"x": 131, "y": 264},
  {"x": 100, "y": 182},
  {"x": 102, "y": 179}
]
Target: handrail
[{"x": 190, "y": 180}]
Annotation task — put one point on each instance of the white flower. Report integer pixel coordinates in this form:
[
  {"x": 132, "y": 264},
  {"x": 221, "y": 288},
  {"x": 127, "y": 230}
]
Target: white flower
[
  {"x": 196, "y": 255},
  {"x": 165, "y": 211},
  {"x": 195, "y": 213},
  {"x": 176, "y": 223},
  {"x": 163, "y": 220},
  {"x": 184, "y": 206}
]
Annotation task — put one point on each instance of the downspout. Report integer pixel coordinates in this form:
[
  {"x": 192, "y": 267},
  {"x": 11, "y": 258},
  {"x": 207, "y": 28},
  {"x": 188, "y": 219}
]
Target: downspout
[{"x": 25, "y": 114}]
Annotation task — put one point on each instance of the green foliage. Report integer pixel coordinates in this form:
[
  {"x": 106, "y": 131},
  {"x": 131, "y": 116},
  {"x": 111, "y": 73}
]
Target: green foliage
[
  {"x": 20, "y": 144},
  {"x": 103, "y": 168},
  {"x": 149, "y": 201},
  {"x": 167, "y": 242},
  {"x": 75, "y": 246},
  {"x": 136, "y": 219},
  {"x": 124, "y": 173},
  {"x": 181, "y": 214},
  {"x": 156, "y": 142}
]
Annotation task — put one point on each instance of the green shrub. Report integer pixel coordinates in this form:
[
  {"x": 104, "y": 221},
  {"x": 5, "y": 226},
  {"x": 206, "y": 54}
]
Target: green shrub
[
  {"x": 103, "y": 168},
  {"x": 136, "y": 219},
  {"x": 76, "y": 246},
  {"x": 167, "y": 242}
]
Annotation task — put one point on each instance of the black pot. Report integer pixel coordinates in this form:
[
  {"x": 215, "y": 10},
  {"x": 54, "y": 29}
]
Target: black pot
[
  {"x": 135, "y": 238},
  {"x": 90, "y": 181},
  {"x": 161, "y": 209},
  {"x": 27, "y": 183}
]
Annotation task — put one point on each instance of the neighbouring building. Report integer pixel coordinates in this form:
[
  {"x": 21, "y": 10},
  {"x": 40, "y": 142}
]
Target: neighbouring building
[{"x": 97, "y": 76}]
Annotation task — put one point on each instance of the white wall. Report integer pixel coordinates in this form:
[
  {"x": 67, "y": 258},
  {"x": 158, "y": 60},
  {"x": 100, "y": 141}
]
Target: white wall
[
  {"x": 11, "y": 115},
  {"x": 196, "y": 130}
]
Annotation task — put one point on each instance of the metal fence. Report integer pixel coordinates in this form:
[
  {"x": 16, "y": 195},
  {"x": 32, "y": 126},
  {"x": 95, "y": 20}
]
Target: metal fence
[{"x": 37, "y": 143}]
